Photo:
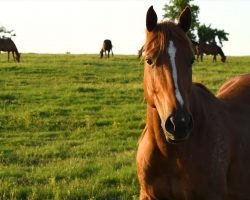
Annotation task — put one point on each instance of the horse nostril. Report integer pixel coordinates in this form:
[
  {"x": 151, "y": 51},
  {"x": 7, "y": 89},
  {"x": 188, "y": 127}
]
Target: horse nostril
[
  {"x": 186, "y": 122},
  {"x": 169, "y": 125},
  {"x": 179, "y": 125}
]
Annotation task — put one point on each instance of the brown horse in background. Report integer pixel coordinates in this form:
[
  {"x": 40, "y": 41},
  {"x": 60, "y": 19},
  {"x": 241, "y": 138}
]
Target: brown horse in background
[
  {"x": 209, "y": 49},
  {"x": 106, "y": 46},
  {"x": 140, "y": 51},
  {"x": 195, "y": 47},
  {"x": 6, "y": 44},
  {"x": 195, "y": 146}
]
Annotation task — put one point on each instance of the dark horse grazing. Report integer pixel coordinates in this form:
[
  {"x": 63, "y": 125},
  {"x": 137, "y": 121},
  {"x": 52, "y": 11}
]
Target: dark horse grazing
[
  {"x": 195, "y": 146},
  {"x": 107, "y": 46},
  {"x": 195, "y": 48},
  {"x": 6, "y": 44},
  {"x": 210, "y": 49}
]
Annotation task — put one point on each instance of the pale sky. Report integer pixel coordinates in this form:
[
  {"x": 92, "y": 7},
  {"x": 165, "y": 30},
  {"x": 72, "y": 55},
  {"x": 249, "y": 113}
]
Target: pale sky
[{"x": 80, "y": 26}]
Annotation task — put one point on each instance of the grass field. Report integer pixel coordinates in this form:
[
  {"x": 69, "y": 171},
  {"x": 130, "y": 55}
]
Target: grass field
[{"x": 69, "y": 124}]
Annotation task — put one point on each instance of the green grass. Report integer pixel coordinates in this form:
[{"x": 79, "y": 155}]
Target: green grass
[{"x": 69, "y": 124}]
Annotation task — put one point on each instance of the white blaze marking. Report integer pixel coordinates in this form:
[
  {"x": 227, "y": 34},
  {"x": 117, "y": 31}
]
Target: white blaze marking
[{"x": 172, "y": 52}]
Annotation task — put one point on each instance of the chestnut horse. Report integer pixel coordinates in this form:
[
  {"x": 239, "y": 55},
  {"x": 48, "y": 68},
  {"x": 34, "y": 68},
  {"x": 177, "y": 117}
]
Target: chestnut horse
[
  {"x": 210, "y": 49},
  {"x": 6, "y": 44},
  {"x": 106, "y": 46},
  {"x": 195, "y": 146}
]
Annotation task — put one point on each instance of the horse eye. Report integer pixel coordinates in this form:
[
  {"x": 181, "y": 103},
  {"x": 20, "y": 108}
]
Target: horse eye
[{"x": 149, "y": 61}]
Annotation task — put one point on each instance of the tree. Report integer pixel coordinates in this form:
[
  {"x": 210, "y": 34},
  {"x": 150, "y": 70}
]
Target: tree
[
  {"x": 204, "y": 33},
  {"x": 173, "y": 10},
  {"x": 4, "y": 33},
  {"x": 208, "y": 34},
  {"x": 222, "y": 36}
]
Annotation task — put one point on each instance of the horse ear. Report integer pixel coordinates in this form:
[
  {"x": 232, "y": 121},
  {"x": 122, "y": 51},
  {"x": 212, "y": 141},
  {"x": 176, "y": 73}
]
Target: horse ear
[
  {"x": 185, "y": 19},
  {"x": 151, "y": 19}
]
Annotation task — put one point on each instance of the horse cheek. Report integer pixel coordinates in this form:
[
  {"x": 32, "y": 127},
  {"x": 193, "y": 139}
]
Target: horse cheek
[{"x": 148, "y": 88}]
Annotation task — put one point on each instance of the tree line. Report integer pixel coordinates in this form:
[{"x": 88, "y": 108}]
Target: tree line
[
  {"x": 198, "y": 32},
  {"x": 5, "y": 33}
]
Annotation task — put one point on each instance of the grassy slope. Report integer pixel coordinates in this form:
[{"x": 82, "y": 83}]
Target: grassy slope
[{"x": 69, "y": 124}]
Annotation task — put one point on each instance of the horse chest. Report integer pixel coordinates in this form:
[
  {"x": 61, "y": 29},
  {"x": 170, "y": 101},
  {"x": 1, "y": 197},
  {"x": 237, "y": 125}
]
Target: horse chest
[
  {"x": 182, "y": 176},
  {"x": 167, "y": 181}
]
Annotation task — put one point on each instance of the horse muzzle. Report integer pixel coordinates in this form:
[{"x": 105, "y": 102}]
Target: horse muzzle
[{"x": 178, "y": 126}]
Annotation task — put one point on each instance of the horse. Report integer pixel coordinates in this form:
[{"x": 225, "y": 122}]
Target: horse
[
  {"x": 140, "y": 51},
  {"x": 210, "y": 49},
  {"x": 195, "y": 47},
  {"x": 6, "y": 44},
  {"x": 106, "y": 46},
  {"x": 195, "y": 145}
]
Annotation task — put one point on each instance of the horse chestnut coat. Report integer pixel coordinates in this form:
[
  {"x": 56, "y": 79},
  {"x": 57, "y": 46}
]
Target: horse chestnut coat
[{"x": 195, "y": 146}]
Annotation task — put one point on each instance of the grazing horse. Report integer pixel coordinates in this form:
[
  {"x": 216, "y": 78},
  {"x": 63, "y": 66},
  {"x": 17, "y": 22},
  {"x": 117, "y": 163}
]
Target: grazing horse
[
  {"x": 210, "y": 49},
  {"x": 195, "y": 146},
  {"x": 140, "y": 52},
  {"x": 195, "y": 47},
  {"x": 6, "y": 44},
  {"x": 106, "y": 46}
]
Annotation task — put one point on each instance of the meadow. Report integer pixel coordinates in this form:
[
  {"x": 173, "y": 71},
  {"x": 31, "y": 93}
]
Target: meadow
[{"x": 69, "y": 124}]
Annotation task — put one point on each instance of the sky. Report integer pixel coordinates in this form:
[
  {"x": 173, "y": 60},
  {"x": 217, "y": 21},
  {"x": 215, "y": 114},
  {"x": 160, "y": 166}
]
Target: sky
[{"x": 80, "y": 26}]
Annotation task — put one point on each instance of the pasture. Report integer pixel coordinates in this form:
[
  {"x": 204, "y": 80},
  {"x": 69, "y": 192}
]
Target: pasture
[{"x": 69, "y": 124}]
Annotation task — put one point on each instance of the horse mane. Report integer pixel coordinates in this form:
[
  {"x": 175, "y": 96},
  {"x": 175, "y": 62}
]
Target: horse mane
[{"x": 159, "y": 37}]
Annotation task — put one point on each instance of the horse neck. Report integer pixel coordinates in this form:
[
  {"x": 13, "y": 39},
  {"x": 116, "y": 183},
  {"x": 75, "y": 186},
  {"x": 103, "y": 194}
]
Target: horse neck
[
  {"x": 14, "y": 48},
  {"x": 202, "y": 104},
  {"x": 16, "y": 51},
  {"x": 221, "y": 52}
]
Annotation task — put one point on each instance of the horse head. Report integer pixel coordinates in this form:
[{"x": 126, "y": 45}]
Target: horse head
[
  {"x": 168, "y": 73},
  {"x": 223, "y": 58},
  {"x": 18, "y": 55}
]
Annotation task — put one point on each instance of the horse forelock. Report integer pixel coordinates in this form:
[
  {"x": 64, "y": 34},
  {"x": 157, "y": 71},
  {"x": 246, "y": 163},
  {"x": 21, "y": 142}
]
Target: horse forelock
[{"x": 157, "y": 41}]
